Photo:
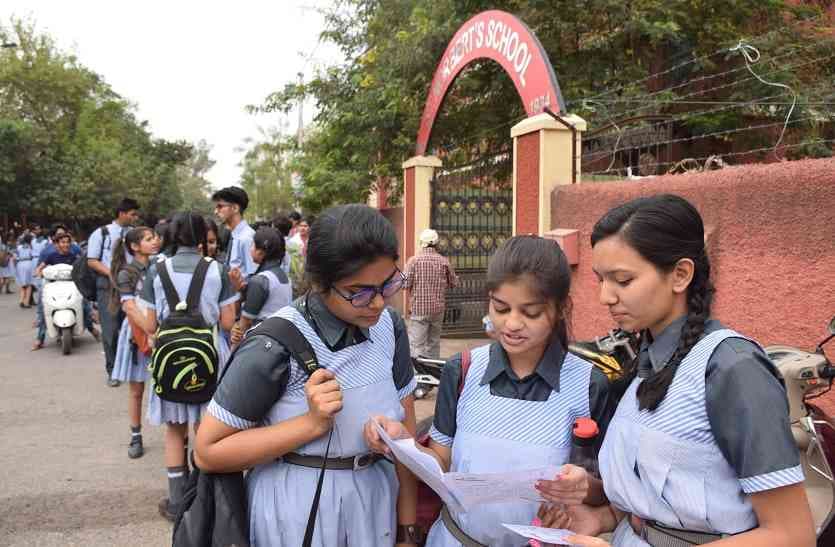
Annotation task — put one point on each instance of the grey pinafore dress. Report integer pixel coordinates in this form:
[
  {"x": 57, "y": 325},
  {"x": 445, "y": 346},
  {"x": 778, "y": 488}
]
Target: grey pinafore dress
[
  {"x": 357, "y": 508},
  {"x": 665, "y": 465},
  {"x": 497, "y": 434}
]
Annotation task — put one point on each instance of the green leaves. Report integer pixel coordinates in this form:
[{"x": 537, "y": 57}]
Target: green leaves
[{"x": 71, "y": 148}]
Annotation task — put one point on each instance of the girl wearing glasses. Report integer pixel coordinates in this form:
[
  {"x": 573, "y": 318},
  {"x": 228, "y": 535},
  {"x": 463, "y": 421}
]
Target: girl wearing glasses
[
  {"x": 268, "y": 415},
  {"x": 269, "y": 289},
  {"x": 516, "y": 406}
]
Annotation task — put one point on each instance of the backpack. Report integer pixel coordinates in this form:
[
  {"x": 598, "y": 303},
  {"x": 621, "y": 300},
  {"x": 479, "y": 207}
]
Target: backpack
[
  {"x": 82, "y": 275},
  {"x": 185, "y": 361},
  {"x": 214, "y": 509},
  {"x": 428, "y": 502}
]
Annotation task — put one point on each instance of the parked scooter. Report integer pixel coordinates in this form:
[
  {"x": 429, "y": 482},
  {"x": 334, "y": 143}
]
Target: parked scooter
[
  {"x": 808, "y": 379},
  {"x": 62, "y": 305}
]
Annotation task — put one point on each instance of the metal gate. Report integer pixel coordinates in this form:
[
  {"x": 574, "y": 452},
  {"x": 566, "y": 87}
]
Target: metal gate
[{"x": 472, "y": 211}]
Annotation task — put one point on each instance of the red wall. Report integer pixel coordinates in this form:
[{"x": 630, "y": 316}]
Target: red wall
[
  {"x": 527, "y": 184},
  {"x": 771, "y": 231}
]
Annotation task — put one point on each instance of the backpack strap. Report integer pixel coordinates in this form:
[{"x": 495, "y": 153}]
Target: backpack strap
[
  {"x": 171, "y": 295},
  {"x": 104, "y": 233},
  {"x": 195, "y": 288},
  {"x": 466, "y": 359},
  {"x": 288, "y": 334}
]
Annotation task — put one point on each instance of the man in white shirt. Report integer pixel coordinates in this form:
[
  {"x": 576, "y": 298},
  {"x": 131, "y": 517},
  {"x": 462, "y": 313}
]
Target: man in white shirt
[{"x": 230, "y": 204}]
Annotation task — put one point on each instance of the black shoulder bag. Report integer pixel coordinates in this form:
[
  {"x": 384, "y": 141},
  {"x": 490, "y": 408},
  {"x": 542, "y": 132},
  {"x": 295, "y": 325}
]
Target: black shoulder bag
[{"x": 214, "y": 508}]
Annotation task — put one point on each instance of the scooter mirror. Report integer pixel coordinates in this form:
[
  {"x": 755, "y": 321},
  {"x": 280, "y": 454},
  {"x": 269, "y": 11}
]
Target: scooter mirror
[{"x": 832, "y": 326}]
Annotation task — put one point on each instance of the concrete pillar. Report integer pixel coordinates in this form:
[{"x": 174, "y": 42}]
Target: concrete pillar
[
  {"x": 542, "y": 159},
  {"x": 417, "y": 200}
]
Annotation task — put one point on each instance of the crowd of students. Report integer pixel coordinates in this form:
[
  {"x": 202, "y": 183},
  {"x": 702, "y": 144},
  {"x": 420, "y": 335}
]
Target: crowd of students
[{"x": 696, "y": 445}]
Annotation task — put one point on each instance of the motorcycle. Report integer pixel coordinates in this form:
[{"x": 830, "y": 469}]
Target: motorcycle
[
  {"x": 62, "y": 305},
  {"x": 808, "y": 377}
]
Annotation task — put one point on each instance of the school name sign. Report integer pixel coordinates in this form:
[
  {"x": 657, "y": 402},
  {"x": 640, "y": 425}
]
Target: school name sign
[{"x": 502, "y": 37}]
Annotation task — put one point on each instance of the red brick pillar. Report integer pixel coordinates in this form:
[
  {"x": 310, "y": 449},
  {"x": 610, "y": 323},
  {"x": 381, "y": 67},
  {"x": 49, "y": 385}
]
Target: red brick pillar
[{"x": 542, "y": 159}]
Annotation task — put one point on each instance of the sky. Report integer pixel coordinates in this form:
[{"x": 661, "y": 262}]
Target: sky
[{"x": 191, "y": 67}]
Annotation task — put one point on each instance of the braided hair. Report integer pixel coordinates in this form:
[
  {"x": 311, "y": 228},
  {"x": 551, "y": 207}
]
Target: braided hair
[{"x": 664, "y": 229}]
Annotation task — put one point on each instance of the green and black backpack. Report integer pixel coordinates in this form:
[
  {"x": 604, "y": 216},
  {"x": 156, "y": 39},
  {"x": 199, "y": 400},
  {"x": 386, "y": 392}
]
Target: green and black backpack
[{"x": 185, "y": 362}]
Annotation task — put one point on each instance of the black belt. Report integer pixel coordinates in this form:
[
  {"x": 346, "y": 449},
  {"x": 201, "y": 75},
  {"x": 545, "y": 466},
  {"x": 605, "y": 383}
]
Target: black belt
[
  {"x": 456, "y": 530},
  {"x": 659, "y": 535},
  {"x": 356, "y": 463}
]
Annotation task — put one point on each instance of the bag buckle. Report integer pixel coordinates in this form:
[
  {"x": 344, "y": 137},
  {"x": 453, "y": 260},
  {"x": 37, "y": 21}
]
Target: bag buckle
[{"x": 363, "y": 461}]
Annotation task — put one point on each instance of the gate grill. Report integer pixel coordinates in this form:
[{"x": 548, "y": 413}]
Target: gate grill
[{"x": 472, "y": 211}]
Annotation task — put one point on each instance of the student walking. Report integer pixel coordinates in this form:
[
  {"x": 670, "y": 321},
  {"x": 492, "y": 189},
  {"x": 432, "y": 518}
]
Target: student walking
[
  {"x": 133, "y": 346},
  {"x": 217, "y": 308},
  {"x": 100, "y": 247},
  {"x": 268, "y": 414},
  {"x": 24, "y": 260}
]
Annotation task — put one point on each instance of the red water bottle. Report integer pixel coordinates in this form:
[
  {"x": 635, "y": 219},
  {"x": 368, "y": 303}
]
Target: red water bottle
[{"x": 583, "y": 441}]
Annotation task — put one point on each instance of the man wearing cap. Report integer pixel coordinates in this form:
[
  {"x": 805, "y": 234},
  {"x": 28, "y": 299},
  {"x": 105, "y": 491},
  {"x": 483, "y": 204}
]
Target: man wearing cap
[
  {"x": 230, "y": 204},
  {"x": 428, "y": 276}
]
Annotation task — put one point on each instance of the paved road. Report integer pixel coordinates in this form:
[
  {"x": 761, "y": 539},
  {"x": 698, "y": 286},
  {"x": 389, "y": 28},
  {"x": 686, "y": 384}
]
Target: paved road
[{"x": 65, "y": 478}]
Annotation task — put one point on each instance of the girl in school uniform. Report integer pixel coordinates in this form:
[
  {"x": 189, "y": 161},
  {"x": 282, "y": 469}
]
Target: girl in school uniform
[
  {"x": 269, "y": 289},
  {"x": 217, "y": 305},
  {"x": 131, "y": 364},
  {"x": 700, "y": 448},
  {"x": 24, "y": 258},
  {"x": 521, "y": 394},
  {"x": 268, "y": 414},
  {"x": 213, "y": 240},
  {"x": 7, "y": 272}
]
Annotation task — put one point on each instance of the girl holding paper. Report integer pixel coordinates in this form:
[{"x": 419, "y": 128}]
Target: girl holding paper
[
  {"x": 520, "y": 396},
  {"x": 700, "y": 449}
]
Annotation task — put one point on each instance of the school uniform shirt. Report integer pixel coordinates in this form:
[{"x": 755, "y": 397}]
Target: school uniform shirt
[
  {"x": 268, "y": 291},
  {"x": 237, "y": 254},
  {"x": 265, "y": 386},
  {"x": 502, "y": 423},
  {"x": 38, "y": 245},
  {"x": 99, "y": 246},
  {"x": 721, "y": 433}
]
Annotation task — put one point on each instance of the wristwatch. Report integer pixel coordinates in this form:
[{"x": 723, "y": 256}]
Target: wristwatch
[{"x": 409, "y": 533}]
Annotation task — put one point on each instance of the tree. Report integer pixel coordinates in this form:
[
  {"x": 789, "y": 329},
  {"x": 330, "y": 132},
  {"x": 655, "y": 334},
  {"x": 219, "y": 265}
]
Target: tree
[
  {"x": 194, "y": 186},
  {"x": 266, "y": 176},
  {"x": 369, "y": 106},
  {"x": 71, "y": 148}
]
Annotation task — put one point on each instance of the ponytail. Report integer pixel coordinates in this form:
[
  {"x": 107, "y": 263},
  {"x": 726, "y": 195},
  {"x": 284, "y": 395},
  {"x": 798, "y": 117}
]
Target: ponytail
[
  {"x": 664, "y": 229},
  {"x": 118, "y": 262}
]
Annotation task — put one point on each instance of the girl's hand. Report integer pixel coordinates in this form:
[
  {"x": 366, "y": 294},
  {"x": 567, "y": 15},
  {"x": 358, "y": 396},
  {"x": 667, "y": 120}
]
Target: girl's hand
[
  {"x": 324, "y": 398},
  {"x": 586, "y": 541},
  {"x": 395, "y": 430},
  {"x": 236, "y": 279},
  {"x": 570, "y": 487},
  {"x": 236, "y": 335},
  {"x": 553, "y": 516}
]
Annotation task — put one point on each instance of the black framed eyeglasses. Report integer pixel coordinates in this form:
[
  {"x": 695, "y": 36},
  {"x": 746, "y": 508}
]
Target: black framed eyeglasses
[{"x": 365, "y": 296}]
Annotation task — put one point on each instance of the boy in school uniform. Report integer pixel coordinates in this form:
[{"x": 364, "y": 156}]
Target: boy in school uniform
[
  {"x": 99, "y": 255},
  {"x": 230, "y": 204}
]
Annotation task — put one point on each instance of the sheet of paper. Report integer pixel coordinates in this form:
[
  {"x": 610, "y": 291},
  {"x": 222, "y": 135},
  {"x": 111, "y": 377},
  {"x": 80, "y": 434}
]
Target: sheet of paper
[
  {"x": 421, "y": 464},
  {"x": 477, "y": 488},
  {"x": 548, "y": 535}
]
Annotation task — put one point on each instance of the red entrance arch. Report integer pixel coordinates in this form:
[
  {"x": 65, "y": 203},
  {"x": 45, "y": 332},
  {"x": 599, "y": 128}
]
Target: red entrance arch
[{"x": 502, "y": 37}]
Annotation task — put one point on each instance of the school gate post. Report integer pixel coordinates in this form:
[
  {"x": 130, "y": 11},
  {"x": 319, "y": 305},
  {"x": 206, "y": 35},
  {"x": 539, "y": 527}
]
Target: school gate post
[{"x": 546, "y": 147}]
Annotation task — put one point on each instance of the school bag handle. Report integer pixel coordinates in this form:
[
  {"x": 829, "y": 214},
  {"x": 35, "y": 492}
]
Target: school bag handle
[{"x": 195, "y": 287}]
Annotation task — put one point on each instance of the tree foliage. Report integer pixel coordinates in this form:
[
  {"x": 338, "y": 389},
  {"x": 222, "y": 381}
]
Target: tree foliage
[
  {"x": 266, "y": 175},
  {"x": 369, "y": 106},
  {"x": 71, "y": 147}
]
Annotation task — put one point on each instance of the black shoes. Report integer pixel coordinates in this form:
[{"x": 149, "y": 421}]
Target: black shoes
[
  {"x": 135, "y": 449},
  {"x": 168, "y": 510}
]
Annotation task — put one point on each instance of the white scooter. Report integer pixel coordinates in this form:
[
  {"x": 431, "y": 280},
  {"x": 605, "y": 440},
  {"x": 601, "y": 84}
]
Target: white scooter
[{"x": 62, "y": 305}]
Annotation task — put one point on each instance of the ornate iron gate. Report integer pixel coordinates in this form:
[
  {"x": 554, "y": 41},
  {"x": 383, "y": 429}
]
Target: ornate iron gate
[{"x": 472, "y": 211}]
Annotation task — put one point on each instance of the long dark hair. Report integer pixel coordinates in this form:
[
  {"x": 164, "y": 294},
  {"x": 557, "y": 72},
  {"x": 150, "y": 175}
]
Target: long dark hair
[
  {"x": 211, "y": 226},
  {"x": 665, "y": 229},
  {"x": 542, "y": 262},
  {"x": 271, "y": 242},
  {"x": 345, "y": 239},
  {"x": 132, "y": 237},
  {"x": 188, "y": 229}
]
